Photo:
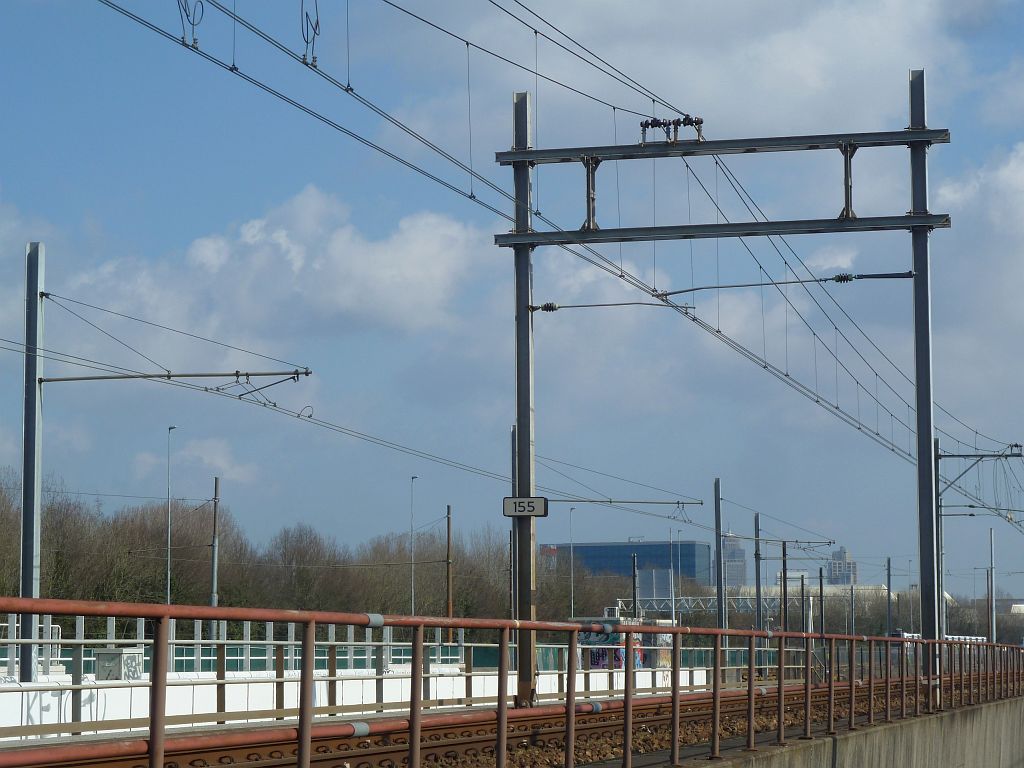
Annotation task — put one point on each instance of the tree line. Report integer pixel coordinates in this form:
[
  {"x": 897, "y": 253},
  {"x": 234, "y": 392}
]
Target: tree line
[{"x": 89, "y": 553}]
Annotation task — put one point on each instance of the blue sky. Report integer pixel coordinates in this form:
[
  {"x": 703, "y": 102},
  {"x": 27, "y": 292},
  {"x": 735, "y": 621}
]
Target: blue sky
[{"x": 167, "y": 188}]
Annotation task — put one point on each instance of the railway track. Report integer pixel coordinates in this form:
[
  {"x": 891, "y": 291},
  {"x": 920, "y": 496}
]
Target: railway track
[{"x": 466, "y": 738}]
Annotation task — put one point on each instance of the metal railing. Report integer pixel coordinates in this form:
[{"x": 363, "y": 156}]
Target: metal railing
[{"x": 792, "y": 668}]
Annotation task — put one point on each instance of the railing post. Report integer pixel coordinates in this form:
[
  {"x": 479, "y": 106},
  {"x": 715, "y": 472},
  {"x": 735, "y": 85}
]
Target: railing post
[
  {"x": 903, "y": 679},
  {"x": 158, "y": 693},
  {"x": 627, "y": 705},
  {"x": 871, "y": 682},
  {"x": 972, "y": 655},
  {"x": 77, "y": 671},
  {"x": 415, "y": 696},
  {"x": 808, "y": 659},
  {"x": 940, "y": 694},
  {"x": 377, "y": 651},
  {"x": 929, "y": 663},
  {"x": 888, "y": 681},
  {"x": 570, "y": 700},
  {"x": 963, "y": 675},
  {"x": 1003, "y": 667},
  {"x": 279, "y": 677},
  {"x": 751, "y": 688},
  {"x": 222, "y": 670},
  {"x": 781, "y": 703},
  {"x": 831, "y": 686},
  {"x": 716, "y": 702},
  {"x": 12, "y": 647},
  {"x": 332, "y": 668},
  {"x": 676, "y": 648},
  {"x": 852, "y": 664},
  {"x": 306, "y": 695},
  {"x": 919, "y": 672},
  {"x": 986, "y": 681},
  {"x": 501, "y": 735},
  {"x": 467, "y": 655}
]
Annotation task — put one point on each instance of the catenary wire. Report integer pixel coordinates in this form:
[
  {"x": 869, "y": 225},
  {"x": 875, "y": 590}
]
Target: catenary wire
[
  {"x": 635, "y": 281},
  {"x": 49, "y": 294}
]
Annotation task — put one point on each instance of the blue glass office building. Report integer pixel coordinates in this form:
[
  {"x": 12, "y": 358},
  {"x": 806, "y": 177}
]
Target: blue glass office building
[{"x": 690, "y": 559}]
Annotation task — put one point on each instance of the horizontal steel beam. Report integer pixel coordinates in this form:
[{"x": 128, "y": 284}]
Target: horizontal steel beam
[
  {"x": 170, "y": 376},
  {"x": 693, "y": 147},
  {"x": 728, "y": 229}
]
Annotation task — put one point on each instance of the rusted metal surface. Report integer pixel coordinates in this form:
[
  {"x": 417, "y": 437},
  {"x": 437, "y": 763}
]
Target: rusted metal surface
[
  {"x": 986, "y": 671},
  {"x": 306, "y": 695},
  {"x": 716, "y": 700},
  {"x": 781, "y": 693},
  {"x": 158, "y": 694},
  {"x": 570, "y": 701},
  {"x": 808, "y": 660},
  {"x": 751, "y": 681}
]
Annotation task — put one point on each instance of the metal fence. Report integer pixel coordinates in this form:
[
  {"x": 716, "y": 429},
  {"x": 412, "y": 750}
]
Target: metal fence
[{"x": 783, "y": 670}]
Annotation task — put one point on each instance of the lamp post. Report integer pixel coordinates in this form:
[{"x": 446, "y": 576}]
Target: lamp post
[
  {"x": 169, "y": 430},
  {"x": 412, "y": 549}
]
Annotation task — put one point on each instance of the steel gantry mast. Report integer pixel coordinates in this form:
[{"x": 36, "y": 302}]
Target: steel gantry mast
[
  {"x": 918, "y": 221},
  {"x": 32, "y": 440}
]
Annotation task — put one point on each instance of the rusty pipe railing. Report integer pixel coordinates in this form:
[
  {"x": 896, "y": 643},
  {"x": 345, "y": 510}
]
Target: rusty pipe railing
[{"x": 985, "y": 672}]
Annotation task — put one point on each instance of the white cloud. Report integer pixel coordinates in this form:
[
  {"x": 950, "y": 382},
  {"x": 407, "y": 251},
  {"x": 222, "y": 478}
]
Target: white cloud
[
  {"x": 210, "y": 253},
  {"x": 302, "y": 267},
  {"x": 145, "y": 462},
  {"x": 832, "y": 257},
  {"x": 216, "y": 455},
  {"x": 1003, "y": 103},
  {"x": 74, "y": 437}
]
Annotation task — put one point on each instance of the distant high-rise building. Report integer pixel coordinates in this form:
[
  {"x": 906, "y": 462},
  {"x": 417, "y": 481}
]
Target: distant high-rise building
[
  {"x": 734, "y": 557},
  {"x": 842, "y": 568}
]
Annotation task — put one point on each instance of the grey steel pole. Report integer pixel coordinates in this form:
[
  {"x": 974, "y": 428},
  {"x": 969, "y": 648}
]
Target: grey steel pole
[
  {"x": 672, "y": 575},
  {"x": 449, "y": 585},
  {"x": 853, "y": 611},
  {"x": 636, "y": 590},
  {"x": 526, "y": 529},
  {"x": 512, "y": 559},
  {"x": 572, "y": 569},
  {"x": 758, "y": 609},
  {"x": 719, "y": 565},
  {"x": 214, "y": 552},
  {"x": 784, "y": 592},
  {"x": 923, "y": 366},
  {"x": 821, "y": 598},
  {"x": 168, "y": 585},
  {"x": 215, "y": 544},
  {"x": 940, "y": 553},
  {"x": 511, "y": 576},
  {"x": 803, "y": 603},
  {"x": 992, "y": 583},
  {"x": 31, "y": 477},
  {"x": 412, "y": 549},
  {"x": 888, "y": 597}
]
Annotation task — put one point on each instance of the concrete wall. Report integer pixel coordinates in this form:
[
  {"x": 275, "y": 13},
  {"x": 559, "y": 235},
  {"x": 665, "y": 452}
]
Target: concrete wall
[{"x": 982, "y": 736}]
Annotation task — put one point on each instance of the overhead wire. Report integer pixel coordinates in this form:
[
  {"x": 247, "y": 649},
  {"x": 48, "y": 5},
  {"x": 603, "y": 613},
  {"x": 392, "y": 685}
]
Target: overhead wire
[
  {"x": 501, "y": 58},
  {"x": 101, "y": 494},
  {"x": 50, "y": 294},
  {"x": 124, "y": 344},
  {"x": 338, "y": 428},
  {"x": 607, "y": 265},
  {"x": 643, "y": 90}
]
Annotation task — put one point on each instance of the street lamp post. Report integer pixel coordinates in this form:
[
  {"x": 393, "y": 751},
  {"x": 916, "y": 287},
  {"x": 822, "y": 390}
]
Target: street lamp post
[
  {"x": 169, "y": 430},
  {"x": 412, "y": 549}
]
